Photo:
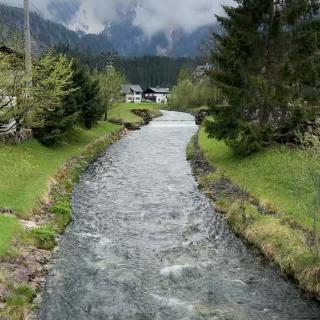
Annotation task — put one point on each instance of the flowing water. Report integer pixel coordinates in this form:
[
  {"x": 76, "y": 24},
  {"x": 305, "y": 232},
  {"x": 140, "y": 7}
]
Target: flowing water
[{"x": 146, "y": 244}]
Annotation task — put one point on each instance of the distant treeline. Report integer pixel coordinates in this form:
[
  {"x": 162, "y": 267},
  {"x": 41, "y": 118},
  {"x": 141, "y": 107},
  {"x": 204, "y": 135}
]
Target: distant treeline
[{"x": 146, "y": 71}]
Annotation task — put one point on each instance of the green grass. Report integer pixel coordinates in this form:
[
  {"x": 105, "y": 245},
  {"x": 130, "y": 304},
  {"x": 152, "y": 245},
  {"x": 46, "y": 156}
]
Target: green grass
[
  {"x": 26, "y": 169},
  {"x": 123, "y": 112},
  {"x": 277, "y": 177},
  {"x": 280, "y": 180},
  {"x": 8, "y": 228},
  {"x": 191, "y": 149}
]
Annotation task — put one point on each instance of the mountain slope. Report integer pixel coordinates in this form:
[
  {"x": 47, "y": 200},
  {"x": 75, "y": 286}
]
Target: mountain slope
[
  {"x": 46, "y": 33},
  {"x": 122, "y": 37}
]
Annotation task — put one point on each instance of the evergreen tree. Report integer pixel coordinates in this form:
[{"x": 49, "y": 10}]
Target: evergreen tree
[
  {"x": 52, "y": 83},
  {"x": 86, "y": 98},
  {"x": 263, "y": 64}
]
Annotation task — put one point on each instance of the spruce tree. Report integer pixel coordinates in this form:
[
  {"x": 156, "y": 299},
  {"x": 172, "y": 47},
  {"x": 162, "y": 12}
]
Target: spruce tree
[
  {"x": 265, "y": 65},
  {"x": 86, "y": 98}
]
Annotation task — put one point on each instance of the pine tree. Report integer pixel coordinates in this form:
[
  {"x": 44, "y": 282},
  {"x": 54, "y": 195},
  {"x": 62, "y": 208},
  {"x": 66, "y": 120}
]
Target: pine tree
[
  {"x": 257, "y": 60},
  {"x": 52, "y": 84},
  {"x": 86, "y": 99}
]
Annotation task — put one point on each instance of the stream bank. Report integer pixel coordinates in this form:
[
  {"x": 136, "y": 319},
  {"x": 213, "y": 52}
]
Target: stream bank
[
  {"x": 23, "y": 270},
  {"x": 285, "y": 244}
]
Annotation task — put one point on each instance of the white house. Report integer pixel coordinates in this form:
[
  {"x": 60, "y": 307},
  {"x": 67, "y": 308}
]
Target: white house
[
  {"x": 133, "y": 93},
  {"x": 158, "y": 95}
]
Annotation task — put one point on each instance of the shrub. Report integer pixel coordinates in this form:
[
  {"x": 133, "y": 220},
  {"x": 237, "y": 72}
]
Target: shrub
[
  {"x": 45, "y": 238},
  {"x": 63, "y": 214}
]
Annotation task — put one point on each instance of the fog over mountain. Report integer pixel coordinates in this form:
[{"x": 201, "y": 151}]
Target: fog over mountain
[{"x": 140, "y": 26}]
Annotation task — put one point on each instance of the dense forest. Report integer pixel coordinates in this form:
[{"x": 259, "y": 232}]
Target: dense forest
[
  {"x": 154, "y": 71},
  {"x": 146, "y": 71}
]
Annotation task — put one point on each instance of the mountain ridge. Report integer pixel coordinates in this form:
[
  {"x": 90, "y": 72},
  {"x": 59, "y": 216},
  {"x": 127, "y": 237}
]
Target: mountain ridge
[{"x": 122, "y": 37}]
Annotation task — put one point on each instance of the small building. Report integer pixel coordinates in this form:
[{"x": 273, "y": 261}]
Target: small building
[
  {"x": 132, "y": 93},
  {"x": 156, "y": 94}
]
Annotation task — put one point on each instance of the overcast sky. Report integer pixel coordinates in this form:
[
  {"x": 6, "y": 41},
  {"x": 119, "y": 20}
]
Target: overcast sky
[{"x": 152, "y": 16}]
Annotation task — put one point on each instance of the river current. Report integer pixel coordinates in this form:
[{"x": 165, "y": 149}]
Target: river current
[{"x": 146, "y": 244}]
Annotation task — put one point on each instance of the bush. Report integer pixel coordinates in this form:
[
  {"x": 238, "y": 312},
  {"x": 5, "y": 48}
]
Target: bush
[
  {"x": 45, "y": 238},
  {"x": 63, "y": 215}
]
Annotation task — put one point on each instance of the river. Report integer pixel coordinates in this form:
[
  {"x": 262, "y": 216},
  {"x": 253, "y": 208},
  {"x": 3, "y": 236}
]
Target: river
[{"x": 146, "y": 244}]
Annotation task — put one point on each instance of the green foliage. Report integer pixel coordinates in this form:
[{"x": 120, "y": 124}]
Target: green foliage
[
  {"x": 17, "y": 303},
  {"x": 110, "y": 81},
  {"x": 268, "y": 70},
  {"x": 63, "y": 214},
  {"x": 45, "y": 238},
  {"x": 191, "y": 93},
  {"x": 16, "y": 102},
  {"x": 191, "y": 149},
  {"x": 148, "y": 71},
  {"x": 87, "y": 96},
  {"x": 52, "y": 83},
  {"x": 26, "y": 292}
]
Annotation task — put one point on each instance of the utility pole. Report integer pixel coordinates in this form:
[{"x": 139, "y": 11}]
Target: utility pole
[
  {"x": 110, "y": 60},
  {"x": 27, "y": 39}
]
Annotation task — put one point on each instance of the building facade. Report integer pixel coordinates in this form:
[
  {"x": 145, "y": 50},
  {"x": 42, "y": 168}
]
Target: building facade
[
  {"x": 132, "y": 93},
  {"x": 157, "y": 95}
]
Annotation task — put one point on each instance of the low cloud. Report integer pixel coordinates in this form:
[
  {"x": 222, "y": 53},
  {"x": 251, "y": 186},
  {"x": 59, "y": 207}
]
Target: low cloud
[{"x": 152, "y": 16}]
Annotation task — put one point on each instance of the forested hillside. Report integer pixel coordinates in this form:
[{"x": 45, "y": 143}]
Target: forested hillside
[
  {"x": 46, "y": 33},
  {"x": 146, "y": 71},
  {"x": 154, "y": 71}
]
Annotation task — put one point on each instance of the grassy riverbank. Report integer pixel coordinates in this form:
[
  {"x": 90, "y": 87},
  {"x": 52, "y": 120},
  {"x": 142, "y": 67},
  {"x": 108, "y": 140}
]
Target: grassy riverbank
[
  {"x": 276, "y": 176},
  {"x": 123, "y": 112},
  {"x": 276, "y": 216},
  {"x": 27, "y": 169},
  {"x": 34, "y": 170}
]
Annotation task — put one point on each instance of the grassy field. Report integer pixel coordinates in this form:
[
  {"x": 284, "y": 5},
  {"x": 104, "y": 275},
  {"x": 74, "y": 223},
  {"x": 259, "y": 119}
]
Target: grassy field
[
  {"x": 123, "y": 112},
  {"x": 26, "y": 169},
  {"x": 277, "y": 177}
]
